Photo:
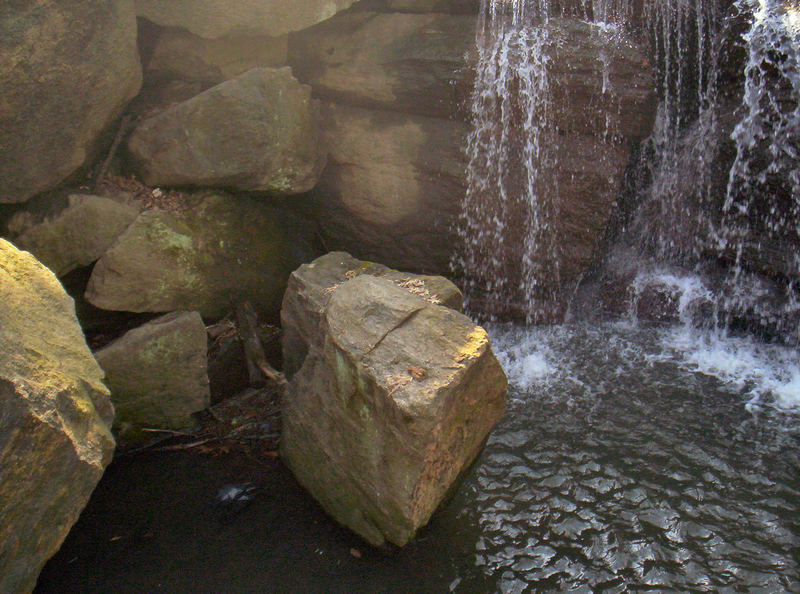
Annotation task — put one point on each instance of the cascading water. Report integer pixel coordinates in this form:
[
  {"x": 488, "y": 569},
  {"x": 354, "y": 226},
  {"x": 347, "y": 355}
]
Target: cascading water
[{"x": 508, "y": 163}]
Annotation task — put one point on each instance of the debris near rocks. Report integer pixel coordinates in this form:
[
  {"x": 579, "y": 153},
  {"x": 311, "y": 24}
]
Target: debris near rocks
[
  {"x": 170, "y": 201},
  {"x": 416, "y": 286}
]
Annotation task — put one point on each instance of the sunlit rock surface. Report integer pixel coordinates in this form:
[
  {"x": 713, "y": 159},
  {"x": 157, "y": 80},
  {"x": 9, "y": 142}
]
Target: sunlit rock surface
[
  {"x": 157, "y": 374},
  {"x": 61, "y": 86},
  {"x": 55, "y": 418},
  {"x": 217, "y": 252},
  {"x": 72, "y": 232},
  {"x": 215, "y": 18},
  {"x": 394, "y": 400},
  {"x": 311, "y": 287},
  {"x": 257, "y": 132}
]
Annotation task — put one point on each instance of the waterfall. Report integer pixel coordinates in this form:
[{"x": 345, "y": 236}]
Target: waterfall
[{"x": 507, "y": 161}]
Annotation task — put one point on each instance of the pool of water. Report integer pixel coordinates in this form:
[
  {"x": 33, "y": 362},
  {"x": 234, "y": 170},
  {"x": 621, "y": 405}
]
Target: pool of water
[{"x": 629, "y": 459}]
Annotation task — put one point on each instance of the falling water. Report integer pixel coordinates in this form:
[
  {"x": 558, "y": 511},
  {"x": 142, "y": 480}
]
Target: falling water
[{"x": 508, "y": 163}]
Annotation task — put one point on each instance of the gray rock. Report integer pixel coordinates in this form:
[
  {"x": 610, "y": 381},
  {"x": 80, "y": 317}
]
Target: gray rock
[
  {"x": 220, "y": 251},
  {"x": 393, "y": 402},
  {"x": 255, "y": 132},
  {"x": 311, "y": 286},
  {"x": 157, "y": 375},
  {"x": 55, "y": 417},
  {"x": 74, "y": 235},
  {"x": 60, "y": 88},
  {"x": 215, "y": 18}
]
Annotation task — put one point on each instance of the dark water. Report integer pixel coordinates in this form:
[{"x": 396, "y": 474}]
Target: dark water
[{"x": 617, "y": 468}]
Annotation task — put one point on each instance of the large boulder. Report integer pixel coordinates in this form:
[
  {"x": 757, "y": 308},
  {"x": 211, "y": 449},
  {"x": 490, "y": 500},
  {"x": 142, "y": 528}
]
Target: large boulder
[
  {"x": 221, "y": 250},
  {"x": 157, "y": 374},
  {"x": 60, "y": 86},
  {"x": 72, "y": 233},
  {"x": 393, "y": 186},
  {"x": 55, "y": 418},
  {"x": 393, "y": 402},
  {"x": 311, "y": 286},
  {"x": 255, "y": 132},
  {"x": 216, "y": 18},
  {"x": 412, "y": 63}
]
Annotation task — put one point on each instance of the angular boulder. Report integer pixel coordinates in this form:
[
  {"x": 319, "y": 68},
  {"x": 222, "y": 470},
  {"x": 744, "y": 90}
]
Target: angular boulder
[
  {"x": 157, "y": 374},
  {"x": 60, "y": 87},
  {"x": 393, "y": 402},
  {"x": 255, "y": 132},
  {"x": 74, "y": 233},
  {"x": 221, "y": 250},
  {"x": 311, "y": 286},
  {"x": 215, "y": 18},
  {"x": 55, "y": 418}
]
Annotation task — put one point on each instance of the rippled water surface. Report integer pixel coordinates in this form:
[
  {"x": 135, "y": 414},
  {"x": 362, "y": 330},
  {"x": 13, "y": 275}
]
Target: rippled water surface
[{"x": 629, "y": 459}]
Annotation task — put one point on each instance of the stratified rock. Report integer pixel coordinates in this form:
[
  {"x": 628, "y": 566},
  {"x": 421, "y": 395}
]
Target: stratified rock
[
  {"x": 220, "y": 251},
  {"x": 412, "y": 63},
  {"x": 55, "y": 418},
  {"x": 257, "y": 131},
  {"x": 215, "y": 18},
  {"x": 393, "y": 186},
  {"x": 75, "y": 233},
  {"x": 394, "y": 400},
  {"x": 180, "y": 54},
  {"x": 311, "y": 286},
  {"x": 60, "y": 86},
  {"x": 157, "y": 374},
  {"x": 441, "y": 6}
]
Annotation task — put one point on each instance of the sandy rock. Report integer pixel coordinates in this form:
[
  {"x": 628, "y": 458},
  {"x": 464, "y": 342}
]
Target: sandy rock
[
  {"x": 389, "y": 407},
  {"x": 157, "y": 374},
  {"x": 73, "y": 234},
  {"x": 55, "y": 418},
  {"x": 219, "y": 251},
  {"x": 215, "y": 18},
  {"x": 61, "y": 86},
  {"x": 312, "y": 285},
  {"x": 255, "y": 132}
]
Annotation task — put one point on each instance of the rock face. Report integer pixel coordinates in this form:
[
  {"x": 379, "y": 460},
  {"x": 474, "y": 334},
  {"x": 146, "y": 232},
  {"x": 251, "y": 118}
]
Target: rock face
[
  {"x": 60, "y": 89},
  {"x": 215, "y": 18},
  {"x": 157, "y": 374},
  {"x": 179, "y": 54},
  {"x": 218, "y": 252},
  {"x": 55, "y": 418},
  {"x": 257, "y": 132},
  {"x": 392, "y": 403},
  {"x": 308, "y": 293},
  {"x": 412, "y": 63},
  {"x": 75, "y": 234},
  {"x": 397, "y": 86}
]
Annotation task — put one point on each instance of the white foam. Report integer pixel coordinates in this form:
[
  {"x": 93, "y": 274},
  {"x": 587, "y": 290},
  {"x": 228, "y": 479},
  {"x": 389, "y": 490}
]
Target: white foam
[{"x": 769, "y": 375}]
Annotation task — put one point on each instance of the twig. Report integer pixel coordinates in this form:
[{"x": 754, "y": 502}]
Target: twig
[
  {"x": 123, "y": 129},
  {"x": 186, "y": 446},
  {"x": 257, "y": 364},
  {"x": 170, "y": 431}
]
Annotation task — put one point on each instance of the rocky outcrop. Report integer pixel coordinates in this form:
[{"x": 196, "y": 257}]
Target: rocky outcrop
[
  {"x": 179, "y": 54},
  {"x": 55, "y": 418},
  {"x": 394, "y": 400},
  {"x": 221, "y": 250},
  {"x": 216, "y": 18},
  {"x": 157, "y": 374},
  {"x": 412, "y": 63},
  {"x": 310, "y": 289},
  {"x": 74, "y": 233},
  {"x": 255, "y": 132},
  {"x": 60, "y": 88},
  {"x": 393, "y": 186}
]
